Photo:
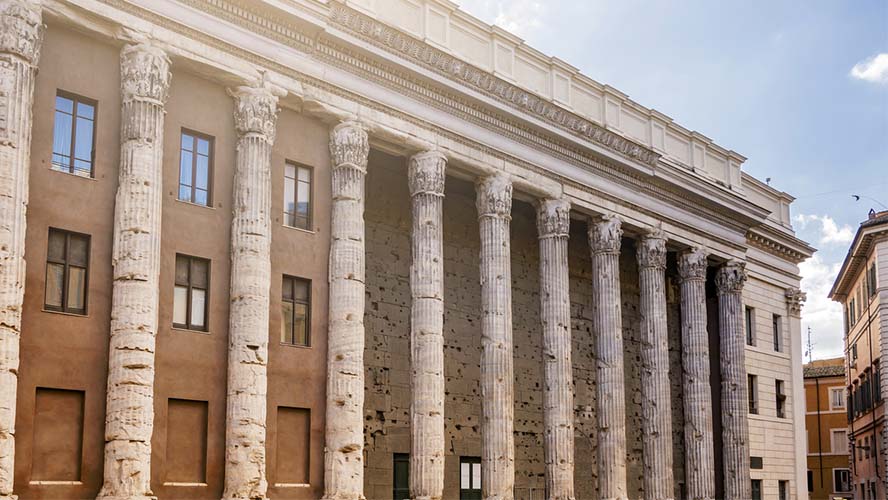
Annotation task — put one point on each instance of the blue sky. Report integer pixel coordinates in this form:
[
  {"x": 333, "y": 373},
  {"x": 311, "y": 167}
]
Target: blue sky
[{"x": 798, "y": 87}]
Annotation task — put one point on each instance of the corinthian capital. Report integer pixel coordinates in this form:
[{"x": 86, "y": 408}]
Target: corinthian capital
[
  {"x": 794, "y": 300},
  {"x": 255, "y": 108},
  {"x": 605, "y": 234},
  {"x": 730, "y": 277},
  {"x": 21, "y": 29},
  {"x": 651, "y": 250},
  {"x": 426, "y": 173},
  {"x": 493, "y": 196},
  {"x": 144, "y": 73},
  {"x": 553, "y": 218},
  {"x": 349, "y": 145},
  {"x": 692, "y": 264}
]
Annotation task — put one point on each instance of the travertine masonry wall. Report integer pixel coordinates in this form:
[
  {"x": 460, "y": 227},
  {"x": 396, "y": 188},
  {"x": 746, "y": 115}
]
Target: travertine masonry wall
[{"x": 387, "y": 320}]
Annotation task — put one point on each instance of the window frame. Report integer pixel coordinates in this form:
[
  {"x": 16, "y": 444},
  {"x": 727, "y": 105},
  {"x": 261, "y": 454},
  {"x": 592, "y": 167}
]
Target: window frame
[
  {"x": 752, "y": 393},
  {"x": 843, "y": 398},
  {"x": 66, "y": 273},
  {"x": 756, "y": 493},
  {"x": 211, "y": 166},
  {"x": 777, "y": 326},
  {"x": 782, "y": 489},
  {"x": 470, "y": 492},
  {"x": 400, "y": 493},
  {"x": 188, "y": 297},
  {"x": 847, "y": 471},
  {"x": 749, "y": 320},
  {"x": 832, "y": 441},
  {"x": 309, "y": 218},
  {"x": 780, "y": 398},
  {"x": 77, "y": 99},
  {"x": 294, "y": 301}
]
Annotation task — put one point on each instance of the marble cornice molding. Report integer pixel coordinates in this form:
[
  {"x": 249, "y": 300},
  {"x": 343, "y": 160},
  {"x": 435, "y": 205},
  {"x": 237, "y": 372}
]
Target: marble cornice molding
[{"x": 775, "y": 247}]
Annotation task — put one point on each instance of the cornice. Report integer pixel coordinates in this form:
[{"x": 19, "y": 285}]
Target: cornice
[
  {"x": 858, "y": 253},
  {"x": 783, "y": 245}
]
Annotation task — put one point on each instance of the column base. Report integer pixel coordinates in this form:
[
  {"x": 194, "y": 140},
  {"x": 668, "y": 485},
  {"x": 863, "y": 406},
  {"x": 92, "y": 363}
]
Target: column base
[{"x": 343, "y": 496}]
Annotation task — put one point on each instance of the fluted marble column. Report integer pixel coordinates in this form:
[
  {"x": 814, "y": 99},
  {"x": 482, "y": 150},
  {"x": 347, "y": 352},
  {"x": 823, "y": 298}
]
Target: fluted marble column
[
  {"x": 494, "y": 203},
  {"x": 605, "y": 236},
  {"x": 735, "y": 410},
  {"x": 21, "y": 22},
  {"x": 255, "y": 117},
  {"x": 656, "y": 400},
  {"x": 553, "y": 227},
  {"x": 344, "y": 438},
  {"x": 699, "y": 454},
  {"x": 426, "y": 178},
  {"x": 129, "y": 414}
]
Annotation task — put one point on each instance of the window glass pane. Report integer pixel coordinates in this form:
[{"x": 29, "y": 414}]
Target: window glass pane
[
  {"x": 287, "y": 289},
  {"x": 301, "y": 289},
  {"x": 304, "y": 198},
  {"x": 83, "y": 147},
  {"x": 203, "y": 146},
  {"x": 300, "y": 222},
  {"x": 198, "y": 307},
  {"x": 85, "y": 110},
  {"x": 465, "y": 478},
  {"x": 200, "y": 197},
  {"x": 180, "y": 305},
  {"x": 289, "y": 195},
  {"x": 287, "y": 322},
  {"x": 61, "y": 140},
  {"x": 476, "y": 476},
  {"x": 76, "y": 288},
  {"x": 203, "y": 172},
  {"x": 78, "y": 250},
  {"x": 55, "y": 276},
  {"x": 182, "y": 270},
  {"x": 300, "y": 324},
  {"x": 56, "y": 250},
  {"x": 187, "y": 142},
  {"x": 304, "y": 174},
  {"x": 185, "y": 193},
  {"x": 185, "y": 168},
  {"x": 64, "y": 104},
  {"x": 199, "y": 273},
  {"x": 289, "y": 171}
]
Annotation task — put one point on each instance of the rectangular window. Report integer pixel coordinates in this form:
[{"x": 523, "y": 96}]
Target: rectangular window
[
  {"x": 780, "y": 390},
  {"x": 750, "y": 326},
  {"x": 196, "y": 168},
  {"x": 776, "y": 326},
  {"x": 296, "y": 311},
  {"x": 854, "y": 352},
  {"x": 756, "y": 489},
  {"x": 782, "y": 490},
  {"x": 872, "y": 277},
  {"x": 852, "y": 314},
  {"x": 469, "y": 478},
  {"x": 751, "y": 387},
  {"x": 297, "y": 195},
  {"x": 401, "y": 479},
  {"x": 67, "y": 271},
  {"x": 73, "y": 134},
  {"x": 837, "y": 398},
  {"x": 191, "y": 295},
  {"x": 838, "y": 441},
  {"x": 841, "y": 480}
]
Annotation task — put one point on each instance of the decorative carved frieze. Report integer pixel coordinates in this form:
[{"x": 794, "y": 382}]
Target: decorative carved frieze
[
  {"x": 775, "y": 248},
  {"x": 731, "y": 277},
  {"x": 553, "y": 218},
  {"x": 349, "y": 146},
  {"x": 605, "y": 234},
  {"x": 426, "y": 173},
  {"x": 255, "y": 109},
  {"x": 692, "y": 264},
  {"x": 144, "y": 73},
  {"x": 21, "y": 29},
  {"x": 795, "y": 298},
  {"x": 651, "y": 250},
  {"x": 494, "y": 196}
]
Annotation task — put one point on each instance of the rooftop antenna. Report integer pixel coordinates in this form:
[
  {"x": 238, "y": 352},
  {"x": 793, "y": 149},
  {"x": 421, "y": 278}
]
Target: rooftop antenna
[
  {"x": 810, "y": 345},
  {"x": 857, "y": 197}
]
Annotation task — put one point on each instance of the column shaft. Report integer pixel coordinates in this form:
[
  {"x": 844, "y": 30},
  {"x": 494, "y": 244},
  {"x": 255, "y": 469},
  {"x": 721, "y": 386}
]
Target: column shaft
[
  {"x": 656, "y": 401},
  {"x": 553, "y": 227},
  {"x": 494, "y": 203},
  {"x": 735, "y": 411},
  {"x": 426, "y": 178},
  {"x": 129, "y": 414},
  {"x": 255, "y": 113},
  {"x": 699, "y": 454},
  {"x": 344, "y": 437},
  {"x": 605, "y": 239},
  {"x": 19, "y": 52}
]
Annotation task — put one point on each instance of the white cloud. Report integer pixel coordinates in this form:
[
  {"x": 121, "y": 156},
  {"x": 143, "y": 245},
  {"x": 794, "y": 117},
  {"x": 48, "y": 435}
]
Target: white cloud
[
  {"x": 821, "y": 314},
  {"x": 830, "y": 232},
  {"x": 520, "y": 17},
  {"x": 874, "y": 69}
]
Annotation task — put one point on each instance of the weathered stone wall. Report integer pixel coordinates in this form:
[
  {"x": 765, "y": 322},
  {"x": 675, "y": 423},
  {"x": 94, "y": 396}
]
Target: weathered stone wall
[{"x": 387, "y": 361}]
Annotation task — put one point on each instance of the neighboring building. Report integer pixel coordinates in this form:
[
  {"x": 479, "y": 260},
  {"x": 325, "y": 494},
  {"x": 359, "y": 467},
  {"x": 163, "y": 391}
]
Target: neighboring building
[
  {"x": 860, "y": 288},
  {"x": 826, "y": 419},
  {"x": 239, "y": 256}
]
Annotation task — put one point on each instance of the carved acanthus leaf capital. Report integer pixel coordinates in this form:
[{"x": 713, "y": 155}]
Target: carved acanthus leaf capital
[
  {"x": 553, "y": 218},
  {"x": 730, "y": 277},
  {"x": 651, "y": 250},
  {"x": 426, "y": 173},
  {"x": 794, "y": 300},
  {"x": 692, "y": 264},
  {"x": 21, "y": 29},
  {"x": 493, "y": 196},
  {"x": 349, "y": 146},
  {"x": 255, "y": 108},
  {"x": 605, "y": 234},
  {"x": 144, "y": 73}
]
